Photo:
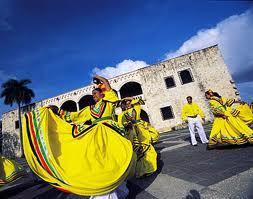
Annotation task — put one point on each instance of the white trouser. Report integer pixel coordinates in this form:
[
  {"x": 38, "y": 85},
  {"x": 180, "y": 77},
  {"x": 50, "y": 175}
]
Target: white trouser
[
  {"x": 120, "y": 193},
  {"x": 196, "y": 123},
  {"x": 112, "y": 195}
]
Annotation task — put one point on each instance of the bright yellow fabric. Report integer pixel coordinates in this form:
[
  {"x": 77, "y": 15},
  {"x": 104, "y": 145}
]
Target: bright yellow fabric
[
  {"x": 139, "y": 133},
  {"x": 229, "y": 102},
  {"x": 126, "y": 124},
  {"x": 111, "y": 96},
  {"x": 9, "y": 170},
  {"x": 84, "y": 114},
  {"x": 227, "y": 131},
  {"x": 245, "y": 113},
  {"x": 80, "y": 116},
  {"x": 93, "y": 163},
  {"x": 120, "y": 119},
  {"x": 147, "y": 159},
  {"x": 191, "y": 110},
  {"x": 154, "y": 134}
]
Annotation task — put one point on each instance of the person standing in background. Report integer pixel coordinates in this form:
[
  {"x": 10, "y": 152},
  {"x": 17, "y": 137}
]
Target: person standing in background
[{"x": 190, "y": 114}]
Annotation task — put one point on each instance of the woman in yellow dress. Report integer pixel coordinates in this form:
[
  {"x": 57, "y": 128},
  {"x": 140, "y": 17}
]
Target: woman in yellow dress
[
  {"x": 74, "y": 156},
  {"x": 227, "y": 129},
  {"x": 135, "y": 103},
  {"x": 9, "y": 170},
  {"x": 138, "y": 133}
]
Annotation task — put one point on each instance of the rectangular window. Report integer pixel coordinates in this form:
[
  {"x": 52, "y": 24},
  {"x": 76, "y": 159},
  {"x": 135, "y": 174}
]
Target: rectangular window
[
  {"x": 167, "y": 113},
  {"x": 169, "y": 81},
  {"x": 16, "y": 124},
  {"x": 185, "y": 76}
]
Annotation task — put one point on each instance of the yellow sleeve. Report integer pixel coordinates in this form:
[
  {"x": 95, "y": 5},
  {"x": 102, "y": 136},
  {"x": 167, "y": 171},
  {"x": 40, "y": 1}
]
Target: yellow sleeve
[
  {"x": 137, "y": 101},
  {"x": 200, "y": 112},
  {"x": 120, "y": 119},
  {"x": 230, "y": 102},
  {"x": 183, "y": 115},
  {"x": 110, "y": 96},
  {"x": 76, "y": 117},
  {"x": 137, "y": 107},
  {"x": 216, "y": 107}
]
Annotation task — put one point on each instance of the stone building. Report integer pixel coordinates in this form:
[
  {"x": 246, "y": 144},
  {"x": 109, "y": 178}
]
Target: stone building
[{"x": 163, "y": 86}]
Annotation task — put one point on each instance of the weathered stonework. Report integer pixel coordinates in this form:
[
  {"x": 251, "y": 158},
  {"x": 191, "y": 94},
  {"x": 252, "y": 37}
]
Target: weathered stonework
[{"x": 207, "y": 69}]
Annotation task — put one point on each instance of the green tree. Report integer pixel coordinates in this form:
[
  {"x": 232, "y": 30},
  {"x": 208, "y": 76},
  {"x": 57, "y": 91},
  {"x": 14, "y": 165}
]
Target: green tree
[{"x": 17, "y": 92}]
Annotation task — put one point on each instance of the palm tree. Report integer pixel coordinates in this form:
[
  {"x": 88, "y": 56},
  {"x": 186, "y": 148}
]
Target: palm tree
[{"x": 16, "y": 91}]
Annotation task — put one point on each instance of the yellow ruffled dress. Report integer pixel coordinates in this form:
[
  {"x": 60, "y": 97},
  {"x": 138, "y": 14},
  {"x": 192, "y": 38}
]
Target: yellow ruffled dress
[
  {"x": 244, "y": 112},
  {"x": 230, "y": 131},
  {"x": 9, "y": 170},
  {"x": 140, "y": 136},
  {"x": 76, "y": 157}
]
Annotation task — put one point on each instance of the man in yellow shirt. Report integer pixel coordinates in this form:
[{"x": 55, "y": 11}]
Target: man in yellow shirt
[{"x": 190, "y": 114}]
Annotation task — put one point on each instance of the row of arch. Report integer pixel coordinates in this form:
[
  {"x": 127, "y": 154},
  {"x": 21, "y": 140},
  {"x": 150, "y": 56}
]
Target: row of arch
[{"x": 129, "y": 89}]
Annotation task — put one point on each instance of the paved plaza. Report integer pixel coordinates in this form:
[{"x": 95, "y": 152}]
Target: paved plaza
[{"x": 184, "y": 171}]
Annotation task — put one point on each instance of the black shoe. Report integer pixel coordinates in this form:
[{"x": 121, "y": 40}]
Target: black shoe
[{"x": 194, "y": 145}]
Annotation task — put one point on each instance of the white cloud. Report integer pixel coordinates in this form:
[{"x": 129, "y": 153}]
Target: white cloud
[
  {"x": 121, "y": 68},
  {"x": 234, "y": 37}
]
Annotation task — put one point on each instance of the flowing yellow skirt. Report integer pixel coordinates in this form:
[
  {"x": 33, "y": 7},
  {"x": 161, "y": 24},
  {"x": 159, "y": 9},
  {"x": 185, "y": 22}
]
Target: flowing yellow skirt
[
  {"x": 95, "y": 163},
  {"x": 146, "y": 155},
  {"x": 154, "y": 134},
  {"x": 231, "y": 131},
  {"x": 9, "y": 170},
  {"x": 245, "y": 114}
]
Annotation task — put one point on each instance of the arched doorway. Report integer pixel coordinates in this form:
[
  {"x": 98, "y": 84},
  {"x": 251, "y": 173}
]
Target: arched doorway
[
  {"x": 144, "y": 116},
  {"x": 130, "y": 89},
  {"x": 69, "y": 106},
  {"x": 86, "y": 100}
]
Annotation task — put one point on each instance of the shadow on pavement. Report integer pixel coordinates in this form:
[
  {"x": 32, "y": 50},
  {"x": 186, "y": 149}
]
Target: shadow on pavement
[
  {"x": 134, "y": 189},
  {"x": 229, "y": 147},
  {"x": 194, "y": 194},
  {"x": 57, "y": 194},
  {"x": 16, "y": 190},
  {"x": 52, "y": 193},
  {"x": 188, "y": 139}
]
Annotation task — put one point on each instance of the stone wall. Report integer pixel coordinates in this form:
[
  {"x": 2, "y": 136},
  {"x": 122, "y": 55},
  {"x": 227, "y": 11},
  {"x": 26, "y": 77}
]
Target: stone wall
[{"x": 11, "y": 135}]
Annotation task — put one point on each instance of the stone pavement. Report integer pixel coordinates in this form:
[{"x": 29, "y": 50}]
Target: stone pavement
[
  {"x": 184, "y": 172},
  {"x": 189, "y": 172}
]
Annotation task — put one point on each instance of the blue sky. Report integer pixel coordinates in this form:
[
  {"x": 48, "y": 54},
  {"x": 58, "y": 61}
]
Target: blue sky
[{"x": 57, "y": 44}]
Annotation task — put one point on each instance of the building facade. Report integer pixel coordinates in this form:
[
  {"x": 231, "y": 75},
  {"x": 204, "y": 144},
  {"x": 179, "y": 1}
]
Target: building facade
[{"x": 163, "y": 86}]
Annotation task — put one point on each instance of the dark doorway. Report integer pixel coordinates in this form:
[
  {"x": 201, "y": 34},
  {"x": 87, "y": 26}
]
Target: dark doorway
[
  {"x": 86, "y": 100},
  {"x": 130, "y": 89},
  {"x": 69, "y": 106}
]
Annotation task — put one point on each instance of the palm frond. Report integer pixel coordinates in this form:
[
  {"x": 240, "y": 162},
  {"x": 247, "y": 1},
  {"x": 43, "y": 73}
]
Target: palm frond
[{"x": 16, "y": 91}]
